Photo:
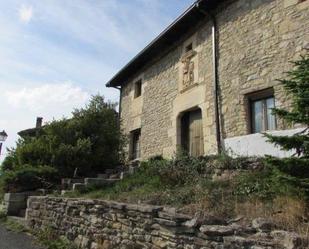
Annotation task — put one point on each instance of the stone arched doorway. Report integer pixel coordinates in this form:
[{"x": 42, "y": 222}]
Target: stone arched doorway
[{"x": 192, "y": 139}]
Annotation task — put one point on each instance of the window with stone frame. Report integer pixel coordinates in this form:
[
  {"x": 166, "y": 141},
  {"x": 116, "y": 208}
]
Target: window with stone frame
[
  {"x": 260, "y": 111},
  {"x": 135, "y": 144},
  {"x": 137, "y": 88}
]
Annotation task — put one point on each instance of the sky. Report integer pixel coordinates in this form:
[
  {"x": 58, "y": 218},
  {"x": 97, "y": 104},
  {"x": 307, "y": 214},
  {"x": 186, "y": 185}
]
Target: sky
[{"x": 55, "y": 54}]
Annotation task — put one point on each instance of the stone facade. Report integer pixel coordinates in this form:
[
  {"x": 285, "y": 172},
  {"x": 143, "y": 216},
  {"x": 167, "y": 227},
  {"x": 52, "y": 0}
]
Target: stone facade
[
  {"x": 256, "y": 41},
  {"x": 98, "y": 224}
]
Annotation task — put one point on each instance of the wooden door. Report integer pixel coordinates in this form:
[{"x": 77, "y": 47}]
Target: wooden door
[
  {"x": 196, "y": 133},
  {"x": 192, "y": 133}
]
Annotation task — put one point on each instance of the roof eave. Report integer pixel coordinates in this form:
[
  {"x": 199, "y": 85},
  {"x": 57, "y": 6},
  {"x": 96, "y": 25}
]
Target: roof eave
[{"x": 132, "y": 66}]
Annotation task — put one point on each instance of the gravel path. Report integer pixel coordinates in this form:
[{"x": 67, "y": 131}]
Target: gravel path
[{"x": 11, "y": 240}]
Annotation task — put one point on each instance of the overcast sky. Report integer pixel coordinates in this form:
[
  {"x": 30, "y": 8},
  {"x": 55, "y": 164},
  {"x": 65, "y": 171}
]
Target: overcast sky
[{"x": 54, "y": 54}]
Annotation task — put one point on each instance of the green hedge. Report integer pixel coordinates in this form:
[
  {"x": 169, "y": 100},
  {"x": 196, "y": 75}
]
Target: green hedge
[{"x": 28, "y": 178}]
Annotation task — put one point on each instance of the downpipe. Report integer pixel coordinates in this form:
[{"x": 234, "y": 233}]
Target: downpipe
[{"x": 215, "y": 74}]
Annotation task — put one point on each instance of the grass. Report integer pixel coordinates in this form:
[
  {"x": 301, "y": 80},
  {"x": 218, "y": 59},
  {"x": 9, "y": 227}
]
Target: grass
[
  {"x": 184, "y": 183},
  {"x": 13, "y": 226},
  {"x": 50, "y": 240},
  {"x": 46, "y": 237}
]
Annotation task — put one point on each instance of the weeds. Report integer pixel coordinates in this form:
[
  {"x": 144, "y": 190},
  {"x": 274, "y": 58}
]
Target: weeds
[
  {"x": 48, "y": 238},
  {"x": 185, "y": 182},
  {"x": 13, "y": 226},
  {"x": 2, "y": 215}
]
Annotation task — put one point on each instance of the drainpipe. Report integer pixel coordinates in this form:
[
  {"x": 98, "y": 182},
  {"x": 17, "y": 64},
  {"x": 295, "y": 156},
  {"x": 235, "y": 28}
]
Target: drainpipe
[{"x": 215, "y": 73}]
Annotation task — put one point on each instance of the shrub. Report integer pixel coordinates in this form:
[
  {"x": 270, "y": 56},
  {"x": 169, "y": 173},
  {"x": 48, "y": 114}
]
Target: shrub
[
  {"x": 295, "y": 170},
  {"x": 89, "y": 141},
  {"x": 29, "y": 178},
  {"x": 51, "y": 240}
]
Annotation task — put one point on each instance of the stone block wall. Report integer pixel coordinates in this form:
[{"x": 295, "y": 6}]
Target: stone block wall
[
  {"x": 99, "y": 224},
  {"x": 257, "y": 40},
  {"x": 15, "y": 204}
]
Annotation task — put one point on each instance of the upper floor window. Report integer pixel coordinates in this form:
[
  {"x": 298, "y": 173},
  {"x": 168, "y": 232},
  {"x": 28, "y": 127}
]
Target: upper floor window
[
  {"x": 137, "y": 88},
  {"x": 261, "y": 104}
]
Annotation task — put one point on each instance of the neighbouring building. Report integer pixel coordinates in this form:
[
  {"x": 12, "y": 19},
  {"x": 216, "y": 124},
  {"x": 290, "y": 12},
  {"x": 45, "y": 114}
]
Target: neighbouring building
[
  {"x": 32, "y": 132},
  {"x": 209, "y": 80}
]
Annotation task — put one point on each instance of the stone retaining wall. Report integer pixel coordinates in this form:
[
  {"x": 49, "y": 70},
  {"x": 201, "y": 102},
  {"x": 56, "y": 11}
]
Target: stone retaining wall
[{"x": 99, "y": 224}]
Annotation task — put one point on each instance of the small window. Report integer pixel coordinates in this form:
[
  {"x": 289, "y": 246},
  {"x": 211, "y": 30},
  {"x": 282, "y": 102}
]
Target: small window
[
  {"x": 135, "y": 144},
  {"x": 138, "y": 89},
  {"x": 189, "y": 47},
  {"x": 261, "y": 104}
]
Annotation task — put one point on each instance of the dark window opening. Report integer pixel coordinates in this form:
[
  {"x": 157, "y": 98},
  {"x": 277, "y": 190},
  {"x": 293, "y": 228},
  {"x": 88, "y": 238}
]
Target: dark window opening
[
  {"x": 135, "y": 144},
  {"x": 261, "y": 105},
  {"x": 138, "y": 89},
  {"x": 189, "y": 47}
]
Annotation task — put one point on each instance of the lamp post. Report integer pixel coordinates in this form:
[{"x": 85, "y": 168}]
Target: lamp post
[{"x": 3, "y": 137}]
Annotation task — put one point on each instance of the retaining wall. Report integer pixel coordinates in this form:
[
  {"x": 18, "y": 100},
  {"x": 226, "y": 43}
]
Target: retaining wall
[{"x": 99, "y": 224}]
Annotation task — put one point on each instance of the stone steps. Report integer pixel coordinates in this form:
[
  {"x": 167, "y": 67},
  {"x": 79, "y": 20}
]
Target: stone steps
[
  {"x": 99, "y": 182},
  {"x": 110, "y": 177}
]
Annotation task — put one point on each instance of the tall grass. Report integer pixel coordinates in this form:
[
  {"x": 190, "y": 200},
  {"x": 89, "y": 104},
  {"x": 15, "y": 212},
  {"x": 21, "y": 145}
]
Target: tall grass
[{"x": 185, "y": 183}]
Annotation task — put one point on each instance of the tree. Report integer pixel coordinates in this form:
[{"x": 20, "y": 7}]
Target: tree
[
  {"x": 296, "y": 85},
  {"x": 89, "y": 141}
]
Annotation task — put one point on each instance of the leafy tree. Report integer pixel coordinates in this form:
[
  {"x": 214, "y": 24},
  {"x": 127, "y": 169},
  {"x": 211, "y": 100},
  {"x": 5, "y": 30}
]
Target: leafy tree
[
  {"x": 89, "y": 141},
  {"x": 297, "y": 86}
]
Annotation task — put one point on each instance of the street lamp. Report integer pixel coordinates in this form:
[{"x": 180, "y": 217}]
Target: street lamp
[{"x": 3, "y": 137}]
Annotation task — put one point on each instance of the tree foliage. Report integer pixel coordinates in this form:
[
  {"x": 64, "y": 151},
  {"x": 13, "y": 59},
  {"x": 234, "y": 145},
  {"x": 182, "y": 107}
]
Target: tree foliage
[
  {"x": 89, "y": 141},
  {"x": 295, "y": 168},
  {"x": 297, "y": 86}
]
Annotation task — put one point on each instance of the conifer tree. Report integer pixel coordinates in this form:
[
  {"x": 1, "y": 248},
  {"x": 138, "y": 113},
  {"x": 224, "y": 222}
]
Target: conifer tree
[{"x": 297, "y": 86}]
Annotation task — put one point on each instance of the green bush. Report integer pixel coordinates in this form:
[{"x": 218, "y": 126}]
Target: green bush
[
  {"x": 90, "y": 141},
  {"x": 29, "y": 178},
  {"x": 267, "y": 184}
]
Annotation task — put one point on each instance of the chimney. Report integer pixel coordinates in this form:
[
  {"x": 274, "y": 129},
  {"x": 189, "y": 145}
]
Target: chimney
[{"x": 39, "y": 121}]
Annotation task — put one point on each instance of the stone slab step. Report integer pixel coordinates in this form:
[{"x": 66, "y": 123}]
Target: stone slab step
[
  {"x": 78, "y": 186},
  {"x": 67, "y": 183},
  {"x": 63, "y": 192},
  {"x": 100, "y": 182},
  {"x": 102, "y": 176}
]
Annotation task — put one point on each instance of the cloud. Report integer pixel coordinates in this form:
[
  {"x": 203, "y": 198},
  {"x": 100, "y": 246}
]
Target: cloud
[
  {"x": 25, "y": 13},
  {"x": 76, "y": 43},
  {"x": 21, "y": 105},
  {"x": 47, "y": 97}
]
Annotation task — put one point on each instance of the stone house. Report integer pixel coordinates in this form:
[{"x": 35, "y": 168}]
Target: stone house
[{"x": 208, "y": 81}]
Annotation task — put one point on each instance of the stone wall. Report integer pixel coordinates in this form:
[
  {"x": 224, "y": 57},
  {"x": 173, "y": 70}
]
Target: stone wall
[
  {"x": 98, "y": 224},
  {"x": 257, "y": 40},
  {"x": 15, "y": 204}
]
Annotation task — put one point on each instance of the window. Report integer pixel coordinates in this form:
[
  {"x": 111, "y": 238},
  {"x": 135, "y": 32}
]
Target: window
[
  {"x": 261, "y": 104},
  {"x": 135, "y": 144},
  {"x": 189, "y": 47},
  {"x": 138, "y": 88}
]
